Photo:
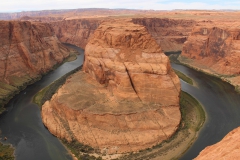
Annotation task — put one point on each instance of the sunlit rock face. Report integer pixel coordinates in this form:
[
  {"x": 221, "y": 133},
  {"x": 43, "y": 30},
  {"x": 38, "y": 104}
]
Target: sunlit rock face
[
  {"x": 125, "y": 99},
  {"x": 27, "y": 50},
  {"x": 214, "y": 48},
  {"x": 227, "y": 149}
]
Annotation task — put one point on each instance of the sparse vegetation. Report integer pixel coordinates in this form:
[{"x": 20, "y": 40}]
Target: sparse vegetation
[
  {"x": 183, "y": 77},
  {"x": 81, "y": 151},
  {"x": 6, "y": 152},
  {"x": 46, "y": 93}
]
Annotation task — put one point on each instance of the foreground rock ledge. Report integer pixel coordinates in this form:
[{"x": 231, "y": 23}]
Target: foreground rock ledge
[
  {"x": 227, "y": 149},
  {"x": 127, "y": 99}
]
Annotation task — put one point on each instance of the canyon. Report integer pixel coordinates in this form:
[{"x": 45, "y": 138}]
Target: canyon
[
  {"x": 170, "y": 34},
  {"x": 28, "y": 50},
  {"x": 125, "y": 99},
  {"x": 214, "y": 49},
  {"x": 32, "y": 46}
]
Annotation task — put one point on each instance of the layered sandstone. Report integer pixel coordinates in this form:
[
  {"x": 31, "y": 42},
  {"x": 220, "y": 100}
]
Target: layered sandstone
[
  {"x": 76, "y": 31},
  {"x": 27, "y": 50},
  {"x": 214, "y": 48},
  {"x": 170, "y": 34},
  {"x": 126, "y": 100},
  {"x": 227, "y": 149}
]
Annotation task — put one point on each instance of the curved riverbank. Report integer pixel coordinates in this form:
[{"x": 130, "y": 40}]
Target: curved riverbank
[
  {"x": 22, "y": 124},
  {"x": 234, "y": 80},
  {"x": 192, "y": 119}
]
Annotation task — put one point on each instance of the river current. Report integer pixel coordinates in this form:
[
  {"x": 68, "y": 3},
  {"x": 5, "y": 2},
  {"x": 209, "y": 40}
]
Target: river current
[{"x": 23, "y": 126}]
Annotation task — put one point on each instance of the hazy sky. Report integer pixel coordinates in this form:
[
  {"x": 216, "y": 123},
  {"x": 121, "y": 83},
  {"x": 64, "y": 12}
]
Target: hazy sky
[{"x": 28, "y": 5}]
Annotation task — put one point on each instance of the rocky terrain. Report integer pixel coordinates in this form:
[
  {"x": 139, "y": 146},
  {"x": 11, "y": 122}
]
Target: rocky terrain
[
  {"x": 76, "y": 31},
  {"x": 127, "y": 98},
  {"x": 28, "y": 50},
  {"x": 170, "y": 34},
  {"x": 215, "y": 49},
  {"x": 227, "y": 148}
]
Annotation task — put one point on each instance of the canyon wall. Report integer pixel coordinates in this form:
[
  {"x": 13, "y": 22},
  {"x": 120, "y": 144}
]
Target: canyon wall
[
  {"x": 28, "y": 50},
  {"x": 170, "y": 34},
  {"x": 215, "y": 49},
  {"x": 227, "y": 149},
  {"x": 76, "y": 31},
  {"x": 127, "y": 98}
]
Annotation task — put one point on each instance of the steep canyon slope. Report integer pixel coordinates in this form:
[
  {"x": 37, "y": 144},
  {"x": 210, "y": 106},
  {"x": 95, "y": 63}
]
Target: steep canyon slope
[
  {"x": 127, "y": 98},
  {"x": 28, "y": 50},
  {"x": 170, "y": 34},
  {"x": 215, "y": 49},
  {"x": 75, "y": 31}
]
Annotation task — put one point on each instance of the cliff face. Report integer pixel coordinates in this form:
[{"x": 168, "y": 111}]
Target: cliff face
[
  {"x": 214, "y": 48},
  {"x": 76, "y": 31},
  {"x": 127, "y": 100},
  {"x": 170, "y": 34},
  {"x": 27, "y": 51},
  {"x": 131, "y": 64},
  {"x": 227, "y": 148}
]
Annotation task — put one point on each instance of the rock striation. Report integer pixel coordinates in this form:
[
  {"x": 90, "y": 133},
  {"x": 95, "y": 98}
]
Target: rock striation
[
  {"x": 75, "y": 31},
  {"x": 214, "y": 48},
  {"x": 227, "y": 149},
  {"x": 28, "y": 50},
  {"x": 127, "y": 98},
  {"x": 170, "y": 34},
  {"x": 131, "y": 64}
]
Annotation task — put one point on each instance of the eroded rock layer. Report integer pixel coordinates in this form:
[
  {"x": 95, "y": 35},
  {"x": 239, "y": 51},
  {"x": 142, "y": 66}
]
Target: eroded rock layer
[
  {"x": 27, "y": 50},
  {"x": 227, "y": 149},
  {"x": 215, "y": 49},
  {"x": 75, "y": 31},
  {"x": 127, "y": 100},
  {"x": 170, "y": 34}
]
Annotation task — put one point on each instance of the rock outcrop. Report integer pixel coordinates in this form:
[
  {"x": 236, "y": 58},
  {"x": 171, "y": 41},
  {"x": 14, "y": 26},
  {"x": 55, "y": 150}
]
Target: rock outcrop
[
  {"x": 227, "y": 149},
  {"x": 127, "y": 100},
  {"x": 215, "y": 49},
  {"x": 76, "y": 31},
  {"x": 170, "y": 34},
  {"x": 27, "y": 50}
]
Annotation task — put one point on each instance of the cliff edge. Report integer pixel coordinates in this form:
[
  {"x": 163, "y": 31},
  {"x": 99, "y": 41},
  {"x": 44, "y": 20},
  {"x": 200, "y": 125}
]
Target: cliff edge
[{"x": 27, "y": 50}]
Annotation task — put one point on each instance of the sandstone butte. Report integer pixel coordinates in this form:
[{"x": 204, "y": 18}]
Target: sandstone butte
[
  {"x": 215, "y": 49},
  {"x": 27, "y": 50},
  {"x": 125, "y": 99},
  {"x": 227, "y": 149}
]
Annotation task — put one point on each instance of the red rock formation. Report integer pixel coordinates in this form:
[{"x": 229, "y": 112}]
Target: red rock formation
[
  {"x": 214, "y": 48},
  {"x": 170, "y": 34},
  {"x": 128, "y": 101},
  {"x": 76, "y": 31},
  {"x": 227, "y": 149},
  {"x": 131, "y": 64},
  {"x": 27, "y": 50}
]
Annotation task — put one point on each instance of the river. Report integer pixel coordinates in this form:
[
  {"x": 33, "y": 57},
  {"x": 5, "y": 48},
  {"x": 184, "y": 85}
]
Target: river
[
  {"x": 221, "y": 104},
  {"x": 23, "y": 126}
]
